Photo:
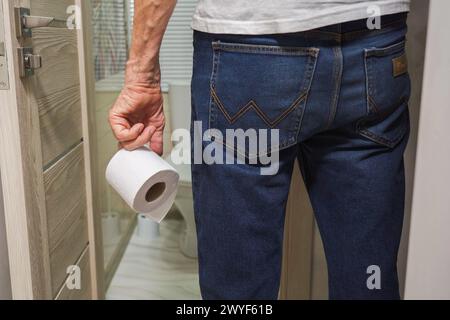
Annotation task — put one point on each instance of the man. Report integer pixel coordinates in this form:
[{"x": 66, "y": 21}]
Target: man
[{"x": 333, "y": 87}]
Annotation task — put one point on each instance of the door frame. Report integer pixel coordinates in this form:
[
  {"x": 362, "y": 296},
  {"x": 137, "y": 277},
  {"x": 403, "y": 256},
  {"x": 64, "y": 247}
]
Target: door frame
[
  {"x": 21, "y": 164},
  {"x": 87, "y": 86}
]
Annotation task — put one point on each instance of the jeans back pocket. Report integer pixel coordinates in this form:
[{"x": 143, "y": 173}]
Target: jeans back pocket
[
  {"x": 388, "y": 91},
  {"x": 259, "y": 88}
]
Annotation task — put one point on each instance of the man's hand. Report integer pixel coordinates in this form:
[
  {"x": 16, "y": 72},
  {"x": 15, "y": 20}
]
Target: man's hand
[{"x": 137, "y": 117}]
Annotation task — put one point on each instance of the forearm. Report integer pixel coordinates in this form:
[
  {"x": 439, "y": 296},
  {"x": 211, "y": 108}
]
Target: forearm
[{"x": 150, "y": 23}]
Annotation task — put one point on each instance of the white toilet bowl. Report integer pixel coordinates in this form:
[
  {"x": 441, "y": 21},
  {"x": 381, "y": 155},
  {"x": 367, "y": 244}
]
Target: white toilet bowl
[{"x": 180, "y": 115}]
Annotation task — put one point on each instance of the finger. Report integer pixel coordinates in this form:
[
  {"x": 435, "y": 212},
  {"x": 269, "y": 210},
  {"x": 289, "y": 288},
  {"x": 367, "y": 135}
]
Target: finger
[
  {"x": 156, "y": 142},
  {"x": 124, "y": 134},
  {"x": 140, "y": 141}
]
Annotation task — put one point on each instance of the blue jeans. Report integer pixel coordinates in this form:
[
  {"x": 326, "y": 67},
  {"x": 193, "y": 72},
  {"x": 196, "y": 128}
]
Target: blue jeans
[{"x": 338, "y": 96}]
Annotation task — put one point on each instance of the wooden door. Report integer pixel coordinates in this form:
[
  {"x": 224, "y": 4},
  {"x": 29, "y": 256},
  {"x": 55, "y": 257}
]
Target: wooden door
[{"x": 44, "y": 154}]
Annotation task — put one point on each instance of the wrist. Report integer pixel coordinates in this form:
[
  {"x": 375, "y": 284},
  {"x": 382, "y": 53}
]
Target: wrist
[{"x": 145, "y": 72}]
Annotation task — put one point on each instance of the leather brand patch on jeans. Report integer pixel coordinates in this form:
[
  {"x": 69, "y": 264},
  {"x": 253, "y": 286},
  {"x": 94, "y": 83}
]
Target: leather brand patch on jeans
[{"x": 400, "y": 65}]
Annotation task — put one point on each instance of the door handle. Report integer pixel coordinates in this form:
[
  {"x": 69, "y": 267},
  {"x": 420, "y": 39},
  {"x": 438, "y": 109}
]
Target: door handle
[
  {"x": 31, "y": 22},
  {"x": 25, "y": 22}
]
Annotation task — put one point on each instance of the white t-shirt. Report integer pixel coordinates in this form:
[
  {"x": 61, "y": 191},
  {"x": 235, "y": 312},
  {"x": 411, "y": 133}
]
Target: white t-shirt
[{"x": 284, "y": 16}]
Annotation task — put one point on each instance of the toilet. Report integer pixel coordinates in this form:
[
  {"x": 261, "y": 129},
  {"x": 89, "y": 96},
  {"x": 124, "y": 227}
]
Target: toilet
[{"x": 180, "y": 118}]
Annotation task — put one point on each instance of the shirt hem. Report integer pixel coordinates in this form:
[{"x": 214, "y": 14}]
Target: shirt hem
[{"x": 288, "y": 25}]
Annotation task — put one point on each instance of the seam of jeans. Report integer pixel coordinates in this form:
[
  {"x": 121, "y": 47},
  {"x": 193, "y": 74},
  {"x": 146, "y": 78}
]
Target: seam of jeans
[
  {"x": 337, "y": 78},
  {"x": 215, "y": 70},
  {"x": 366, "y": 67},
  {"x": 267, "y": 49},
  {"x": 310, "y": 75},
  {"x": 309, "y": 78}
]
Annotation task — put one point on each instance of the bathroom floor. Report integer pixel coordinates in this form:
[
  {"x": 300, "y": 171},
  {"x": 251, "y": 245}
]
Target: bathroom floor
[{"x": 156, "y": 269}]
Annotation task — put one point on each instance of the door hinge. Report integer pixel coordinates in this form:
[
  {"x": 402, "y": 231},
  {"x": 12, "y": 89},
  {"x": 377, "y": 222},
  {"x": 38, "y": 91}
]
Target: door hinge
[
  {"x": 28, "y": 62},
  {"x": 4, "y": 77}
]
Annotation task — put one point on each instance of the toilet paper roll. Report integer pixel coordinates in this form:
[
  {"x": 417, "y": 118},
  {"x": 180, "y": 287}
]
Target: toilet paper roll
[{"x": 146, "y": 182}]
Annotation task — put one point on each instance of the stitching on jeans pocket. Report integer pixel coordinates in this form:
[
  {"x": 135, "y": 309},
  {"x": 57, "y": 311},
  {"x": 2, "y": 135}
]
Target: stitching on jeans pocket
[{"x": 253, "y": 105}]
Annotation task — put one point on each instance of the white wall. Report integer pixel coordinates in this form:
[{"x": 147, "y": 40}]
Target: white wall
[
  {"x": 417, "y": 35},
  {"x": 5, "y": 283},
  {"x": 428, "y": 267}
]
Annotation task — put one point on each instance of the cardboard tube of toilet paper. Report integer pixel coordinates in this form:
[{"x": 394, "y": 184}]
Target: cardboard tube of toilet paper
[{"x": 146, "y": 182}]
